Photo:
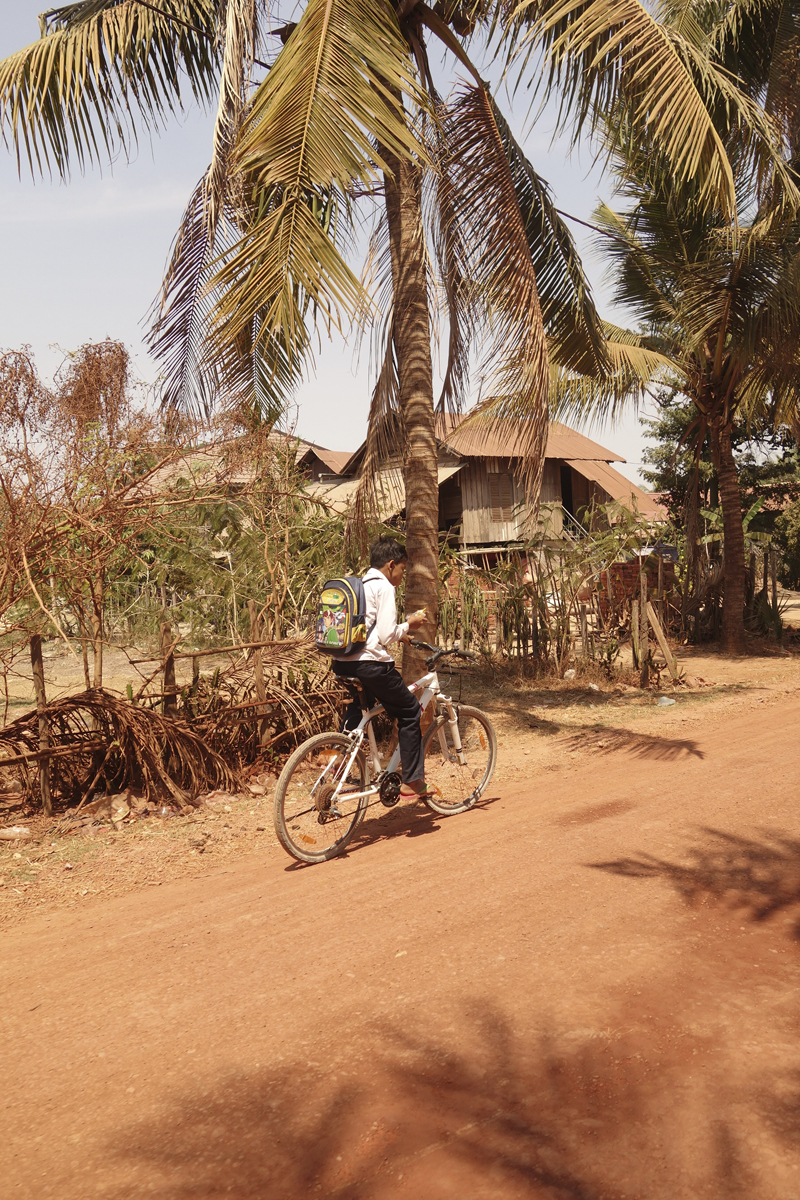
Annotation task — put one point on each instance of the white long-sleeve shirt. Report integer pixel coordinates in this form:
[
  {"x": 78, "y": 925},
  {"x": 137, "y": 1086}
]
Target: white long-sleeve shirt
[{"x": 381, "y": 619}]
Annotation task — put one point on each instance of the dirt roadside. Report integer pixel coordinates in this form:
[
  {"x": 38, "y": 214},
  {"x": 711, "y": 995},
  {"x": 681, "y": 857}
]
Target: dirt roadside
[
  {"x": 542, "y": 727},
  {"x": 585, "y": 989}
]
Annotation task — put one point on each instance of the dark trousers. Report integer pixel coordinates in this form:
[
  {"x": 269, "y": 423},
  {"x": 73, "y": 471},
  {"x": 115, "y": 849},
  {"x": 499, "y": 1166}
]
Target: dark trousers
[{"x": 383, "y": 682}]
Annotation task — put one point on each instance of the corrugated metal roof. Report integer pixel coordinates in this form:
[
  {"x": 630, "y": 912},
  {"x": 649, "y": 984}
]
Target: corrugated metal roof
[
  {"x": 616, "y": 485},
  {"x": 334, "y": 460},
  {"x": 503, "y": 439}
]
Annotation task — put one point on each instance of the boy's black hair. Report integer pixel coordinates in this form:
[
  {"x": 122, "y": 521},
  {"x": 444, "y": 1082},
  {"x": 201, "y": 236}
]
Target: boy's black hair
[{"x": 384, "y": 550}]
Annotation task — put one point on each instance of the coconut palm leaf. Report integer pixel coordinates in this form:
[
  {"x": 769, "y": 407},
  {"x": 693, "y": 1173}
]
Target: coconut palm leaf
[
  {"x": 575, "y": 336},
  {"x": 452, "y": 263},
  {"x": 100, "y": 69},
  {"x": 618, "y": 57},
  {"x": 239, "y": 50},
  {"x": 250, "y": 374},
  {"x": 501, "y": 267},
  {"x": 180, "y": 317},
  {"x": 758, "y": 41},
  {"x": 635, "y": 365},
  {"x": 310, "y": 137}
]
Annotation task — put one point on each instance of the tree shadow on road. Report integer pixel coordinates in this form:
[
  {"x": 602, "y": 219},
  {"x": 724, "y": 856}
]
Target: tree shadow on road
[
  {"x": 758, "y": 877},
  {"x": 639, "y": 745},
  {"x": 480, "y": 1114}
]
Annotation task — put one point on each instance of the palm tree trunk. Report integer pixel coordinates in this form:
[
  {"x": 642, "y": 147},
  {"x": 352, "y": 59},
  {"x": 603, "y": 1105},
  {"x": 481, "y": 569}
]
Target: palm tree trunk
[
  {"x": 734, "y": 597},
  {"x": 412, "y": 339}
]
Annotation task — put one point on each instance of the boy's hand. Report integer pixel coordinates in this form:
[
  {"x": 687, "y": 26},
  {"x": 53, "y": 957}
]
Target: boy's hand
[{"x": 417, "y": 618}]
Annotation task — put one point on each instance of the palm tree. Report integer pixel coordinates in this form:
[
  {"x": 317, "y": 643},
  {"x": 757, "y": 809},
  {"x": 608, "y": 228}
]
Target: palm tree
[
  {"x": 347, "y": 112},
  {"x": 719, "y": 305}
]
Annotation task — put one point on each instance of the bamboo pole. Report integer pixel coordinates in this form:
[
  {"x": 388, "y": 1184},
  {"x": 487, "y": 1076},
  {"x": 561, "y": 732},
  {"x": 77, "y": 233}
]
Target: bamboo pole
[
  {"x": 662, "y": 641},
  {"x": 635, "y": 631},
  {"x": 660, "y": 594},
  {"x": 37, "y": 663},
  {"x": 644, "y": 640}
]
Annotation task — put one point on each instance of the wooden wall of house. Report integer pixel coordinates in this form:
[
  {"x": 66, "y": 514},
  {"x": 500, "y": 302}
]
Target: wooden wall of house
[
  {"x": 479, "y": 526},
  {"x": 581, "y": 493}
]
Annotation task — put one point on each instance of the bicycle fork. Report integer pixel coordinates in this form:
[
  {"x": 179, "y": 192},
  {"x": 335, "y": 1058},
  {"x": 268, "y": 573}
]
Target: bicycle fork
[{"x": 452, "y": 720}]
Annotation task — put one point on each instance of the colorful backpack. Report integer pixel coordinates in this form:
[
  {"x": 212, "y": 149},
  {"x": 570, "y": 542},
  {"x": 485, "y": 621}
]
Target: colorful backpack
[{"x": 342, "y": 617}]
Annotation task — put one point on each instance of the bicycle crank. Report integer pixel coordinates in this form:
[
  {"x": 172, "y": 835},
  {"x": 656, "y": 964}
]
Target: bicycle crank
[{"x": 389, "y": 790}]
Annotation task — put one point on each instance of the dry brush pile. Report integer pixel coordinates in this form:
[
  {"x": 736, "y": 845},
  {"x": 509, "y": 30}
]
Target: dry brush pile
[{"x": 106, "y": 508}]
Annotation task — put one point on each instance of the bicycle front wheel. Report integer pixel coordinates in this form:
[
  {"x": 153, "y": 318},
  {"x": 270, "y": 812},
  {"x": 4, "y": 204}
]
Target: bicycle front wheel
[
  {"x": 459, "y": 777},
  {"x": 312, "y": 821}
]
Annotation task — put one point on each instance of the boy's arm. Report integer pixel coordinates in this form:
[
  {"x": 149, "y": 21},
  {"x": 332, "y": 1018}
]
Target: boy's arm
[{"x": 386, "y": 626}]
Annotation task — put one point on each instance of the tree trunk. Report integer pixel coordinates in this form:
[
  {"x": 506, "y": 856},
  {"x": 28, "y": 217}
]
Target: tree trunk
[
  {"x": 412, "y": 339},
  {"x": 170, "y": 697},
  {"x": 37, "y": 666},
  {"x": 97, "y": 643},
  {"x": 734, "y": 597}
]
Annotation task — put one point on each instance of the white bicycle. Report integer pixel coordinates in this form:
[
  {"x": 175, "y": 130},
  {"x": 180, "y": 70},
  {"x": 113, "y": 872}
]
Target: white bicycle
[{"x": 330, "y": 781}]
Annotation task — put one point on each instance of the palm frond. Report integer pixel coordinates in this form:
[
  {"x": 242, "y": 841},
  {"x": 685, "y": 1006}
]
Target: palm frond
[
  {"x": 385, "y": 436},
  {"x": 635, "y": 366},
  {"x": 101, "y": 68},
  {"x": 180, "y": 317},
  {"x": 618, "y": 57},
  {"x": 250, "y": 374},
  {"x": 502, "y": 270},
  {"x": 575, "y": 336},
  {"x": 451, "y": 259},
  {"x": 310, "y": 137},
  {"x": 237, "y": 62},
  {"x": 758, "y": 41}
]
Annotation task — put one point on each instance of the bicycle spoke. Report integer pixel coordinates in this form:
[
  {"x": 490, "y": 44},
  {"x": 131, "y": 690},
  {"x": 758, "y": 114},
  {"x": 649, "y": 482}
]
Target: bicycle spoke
[
  {"x": 317, "y": 801},
  {"x": 460, "y": 776}
]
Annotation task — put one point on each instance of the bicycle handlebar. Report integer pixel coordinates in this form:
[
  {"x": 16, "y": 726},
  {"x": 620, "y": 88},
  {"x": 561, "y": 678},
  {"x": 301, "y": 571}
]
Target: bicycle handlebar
[{"x": 438, "y": 652}]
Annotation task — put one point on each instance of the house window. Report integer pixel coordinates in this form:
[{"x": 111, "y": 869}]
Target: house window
[{"x": 501, "y": 496}]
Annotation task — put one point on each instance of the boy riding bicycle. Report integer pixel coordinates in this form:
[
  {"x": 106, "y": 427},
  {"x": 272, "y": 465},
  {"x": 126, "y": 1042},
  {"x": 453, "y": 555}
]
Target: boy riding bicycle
[{"x": 375, "y": 667}]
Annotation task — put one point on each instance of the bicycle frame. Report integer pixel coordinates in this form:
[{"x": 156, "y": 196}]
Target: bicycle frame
[{"x": 428, "y": 687}]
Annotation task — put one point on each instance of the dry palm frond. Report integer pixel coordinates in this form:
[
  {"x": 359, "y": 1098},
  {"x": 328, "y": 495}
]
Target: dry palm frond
[
  {"x": 452, "y": 262},
  {"x": 239, "y": 43},
  {"x": 575, "y": 335},
  {"x": 385, "y": 427},
  {"x": 300, "y": 696},
  {"x": 254, "y": 374},
  {"x": 503, "y": 274},
  {"x": 148, "y": 752},
  {"x": 386, "y": 437},
  {"x": 99, "y": 66}
]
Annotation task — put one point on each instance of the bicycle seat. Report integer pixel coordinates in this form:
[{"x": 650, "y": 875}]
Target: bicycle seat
[{"x": 354, "y": 686}]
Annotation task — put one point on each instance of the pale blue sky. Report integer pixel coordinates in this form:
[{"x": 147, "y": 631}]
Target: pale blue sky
[{"x": 83, "y": 260}]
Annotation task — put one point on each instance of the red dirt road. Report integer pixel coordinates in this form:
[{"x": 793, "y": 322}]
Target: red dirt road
[{"x": 586, "y": 989}]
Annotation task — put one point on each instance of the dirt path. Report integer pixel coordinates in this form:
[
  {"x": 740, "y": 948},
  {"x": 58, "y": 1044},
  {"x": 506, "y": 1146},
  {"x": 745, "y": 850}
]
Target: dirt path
[{"x": 586, "y": 989}]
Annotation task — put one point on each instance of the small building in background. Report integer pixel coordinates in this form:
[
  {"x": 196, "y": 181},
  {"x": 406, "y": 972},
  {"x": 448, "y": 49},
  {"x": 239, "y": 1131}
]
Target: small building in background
[{"x": 481, "y": 499}]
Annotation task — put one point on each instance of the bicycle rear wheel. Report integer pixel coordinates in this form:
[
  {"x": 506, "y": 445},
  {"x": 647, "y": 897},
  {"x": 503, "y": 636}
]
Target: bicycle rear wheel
[
  {"x": 309, "y": 825},
  {"x": 459, "y": 778}
]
